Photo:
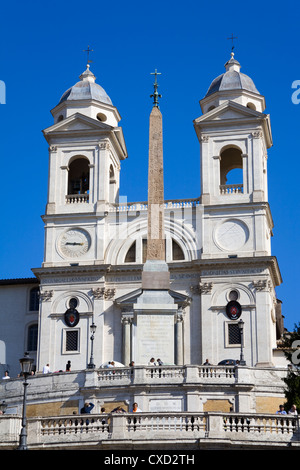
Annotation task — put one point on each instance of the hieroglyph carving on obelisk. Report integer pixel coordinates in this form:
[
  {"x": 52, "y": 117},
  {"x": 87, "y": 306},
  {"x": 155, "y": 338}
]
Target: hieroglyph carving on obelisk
[{"x": 156, "y": 240}]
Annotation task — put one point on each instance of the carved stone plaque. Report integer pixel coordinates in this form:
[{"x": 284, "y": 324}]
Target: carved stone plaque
[{"x": 155, "y": 338}]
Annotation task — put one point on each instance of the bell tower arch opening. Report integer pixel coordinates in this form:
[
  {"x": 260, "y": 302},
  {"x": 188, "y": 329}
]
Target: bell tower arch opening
[
  {"x": 231, "y": 170},
  {"x": 78, "y": 177}
]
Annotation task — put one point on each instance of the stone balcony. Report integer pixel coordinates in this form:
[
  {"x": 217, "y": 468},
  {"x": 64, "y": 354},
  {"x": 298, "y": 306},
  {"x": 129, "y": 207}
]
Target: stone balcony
[
  {"x": 172, "y": 399},
  {"x": 164, "y": 375},
  {"x": 77, "y": 198},
  {"x": 154, "y": 431},
  {"x": 229, "y": 189}
]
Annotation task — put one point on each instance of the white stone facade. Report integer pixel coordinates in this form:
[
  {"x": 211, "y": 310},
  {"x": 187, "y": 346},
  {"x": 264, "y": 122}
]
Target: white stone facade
[{"x": 216, "y": 246}]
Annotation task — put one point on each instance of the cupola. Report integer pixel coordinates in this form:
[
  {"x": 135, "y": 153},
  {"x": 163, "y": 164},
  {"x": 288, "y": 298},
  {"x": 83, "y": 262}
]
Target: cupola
[
  {"x": 88, "y": 98},
  {"x": 232, "y": 85}
]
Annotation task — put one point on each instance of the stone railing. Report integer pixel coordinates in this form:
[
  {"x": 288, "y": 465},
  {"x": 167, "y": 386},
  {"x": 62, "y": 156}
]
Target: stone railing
[
  {"x": 77, "y": 198},
  {"x": 228, "y": 189},
  {"x": 155, "y": 430},
  {"x": 143, "y": 205},
  {"x": 166, "y": 374}
]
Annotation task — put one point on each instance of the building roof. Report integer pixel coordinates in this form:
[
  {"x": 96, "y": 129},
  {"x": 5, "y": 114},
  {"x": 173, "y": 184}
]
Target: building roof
[{"x": 25, "y": 280}]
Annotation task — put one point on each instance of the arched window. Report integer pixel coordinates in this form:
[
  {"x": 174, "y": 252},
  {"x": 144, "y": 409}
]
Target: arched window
[
  {"x": 34, "y": 299},
  {"x": 231, "y": 171},
  {"x": 177, "y": 253},
  {"x": 112, "y": 184},
  {"x": 32, "y": 337},
  {"x": 78, "y": 182},
  {"x": 131, "y": 255}
]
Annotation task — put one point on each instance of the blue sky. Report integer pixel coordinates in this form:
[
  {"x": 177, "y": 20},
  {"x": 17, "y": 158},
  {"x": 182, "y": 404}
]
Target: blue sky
[{"x": 41, "y": 55}]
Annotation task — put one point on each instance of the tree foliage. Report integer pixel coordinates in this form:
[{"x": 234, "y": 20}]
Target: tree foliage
[{"x": 291, "y": 345}]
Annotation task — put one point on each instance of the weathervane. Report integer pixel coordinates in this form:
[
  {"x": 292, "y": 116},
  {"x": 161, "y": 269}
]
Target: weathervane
[
  {"x": 232, "y": 38},
  {"x": 88, "y": 50},
  {"x": 155, "y": 94}
]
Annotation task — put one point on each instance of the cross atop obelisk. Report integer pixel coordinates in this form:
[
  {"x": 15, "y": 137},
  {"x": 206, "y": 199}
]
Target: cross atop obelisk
[
  {"x": 155, "y": 94},
  {"x": 155, "y": 260}
]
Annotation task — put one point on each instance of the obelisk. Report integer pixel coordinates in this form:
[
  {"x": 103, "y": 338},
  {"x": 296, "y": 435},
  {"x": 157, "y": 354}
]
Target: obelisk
[
  {"x": 155, "y": 310},
  {"x": 155, "y": 273}
]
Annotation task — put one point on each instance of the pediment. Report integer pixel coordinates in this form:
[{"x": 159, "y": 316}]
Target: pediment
[
  {"x": 229, "y": 110},
  {"x": 131, "y": 298},
  {"x": 77, "y": 123}
]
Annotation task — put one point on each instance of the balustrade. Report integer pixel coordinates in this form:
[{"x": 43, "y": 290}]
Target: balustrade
[
  {"x": 74, "y": 425},
  {"x": 144, "y": 427},
  {"x": 77, "y": 198},
  {"x": 228, "y": 189},
  {"x": 166, "y": 374},
  {"x": 261, "y": 424},
  {"x": 143, "y": 205}
]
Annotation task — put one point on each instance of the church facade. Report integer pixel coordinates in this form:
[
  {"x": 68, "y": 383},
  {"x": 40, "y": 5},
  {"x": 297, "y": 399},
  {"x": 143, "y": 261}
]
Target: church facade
[{"x": 217, "y": 248}]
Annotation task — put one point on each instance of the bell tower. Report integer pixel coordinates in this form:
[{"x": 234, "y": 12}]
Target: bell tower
[
  {"x": 86, "y": 147},
  {"x": 234, "y": 136}
]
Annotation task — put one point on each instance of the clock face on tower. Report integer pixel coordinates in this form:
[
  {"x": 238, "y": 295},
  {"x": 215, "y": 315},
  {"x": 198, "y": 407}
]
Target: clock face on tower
[{"x": 74, "y": 243}]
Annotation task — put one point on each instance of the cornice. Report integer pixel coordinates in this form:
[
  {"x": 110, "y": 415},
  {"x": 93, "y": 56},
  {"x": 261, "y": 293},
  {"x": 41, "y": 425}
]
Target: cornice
[
  {"x": 65, "y": 271},
  {"x": 228, "y": 207},
  {"x": 195, "y": 266}
]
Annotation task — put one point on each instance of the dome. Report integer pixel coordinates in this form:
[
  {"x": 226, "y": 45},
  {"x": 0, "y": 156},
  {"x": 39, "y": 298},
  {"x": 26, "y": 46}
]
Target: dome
[
  {"x": 232, "y": 79},
  {"x": 86, "y": 89}
]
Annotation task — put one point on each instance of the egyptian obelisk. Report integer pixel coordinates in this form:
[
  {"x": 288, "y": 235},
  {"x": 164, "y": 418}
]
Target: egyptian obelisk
[
  {"x": 155, "y": 273},
  {"x": 154, "y": 310}
]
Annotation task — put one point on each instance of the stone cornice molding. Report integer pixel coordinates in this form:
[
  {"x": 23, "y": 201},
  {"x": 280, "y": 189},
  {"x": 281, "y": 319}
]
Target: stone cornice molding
[{"x": 205, "y": 268}]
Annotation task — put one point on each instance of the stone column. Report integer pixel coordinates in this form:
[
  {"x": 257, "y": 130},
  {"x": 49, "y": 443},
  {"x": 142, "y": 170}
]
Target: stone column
[
  {"x": 179, "y": 339},
  {"x": 263, "y": 324},
  {"x": 45, "y": 353},
  {"x": 205, "y": 170},
  {"x": 126, "y": 338},
  {"x": 257, "y": 158},
  {"x": 245, "y": 173}
]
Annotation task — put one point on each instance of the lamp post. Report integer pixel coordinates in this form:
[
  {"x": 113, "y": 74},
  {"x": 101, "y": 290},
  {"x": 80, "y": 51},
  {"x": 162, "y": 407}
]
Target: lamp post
[
  {"x": 26, "y": 363},
  {"x": 241, "y": 328},
  {"x": 93, "y": 328},
  {"x": 3, "y": 407}
]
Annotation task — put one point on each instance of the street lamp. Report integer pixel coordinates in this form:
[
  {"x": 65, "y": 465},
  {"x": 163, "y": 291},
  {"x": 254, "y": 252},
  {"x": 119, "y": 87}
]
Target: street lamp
[
  {"x": 26, "y": 363},
  {"x": 93, "y": 328},
  {"x": 241, "y": 328},
  {"x": 3, "y": 407}
]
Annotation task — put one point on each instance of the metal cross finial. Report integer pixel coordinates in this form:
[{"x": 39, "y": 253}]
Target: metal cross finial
[
  {"x": 155, "y": 94},
  {"x": 232, "y": 38},
  {"x": 88, "y": 50}
]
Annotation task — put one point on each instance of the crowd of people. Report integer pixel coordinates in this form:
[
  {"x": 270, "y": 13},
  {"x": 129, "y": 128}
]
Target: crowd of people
[{"x": 282, "y": 411}]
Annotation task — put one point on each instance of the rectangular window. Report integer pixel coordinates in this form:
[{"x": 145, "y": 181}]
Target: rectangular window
[
  {"x": 34, "y": 299},
  {"x": 32, "y": 338},
  {"x": 234, "y": 336},
  {"x": 72, "y": 341}
]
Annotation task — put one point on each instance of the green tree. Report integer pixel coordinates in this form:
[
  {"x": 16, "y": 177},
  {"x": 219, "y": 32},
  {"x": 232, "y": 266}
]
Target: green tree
[{"x": 291, "y": 345}]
